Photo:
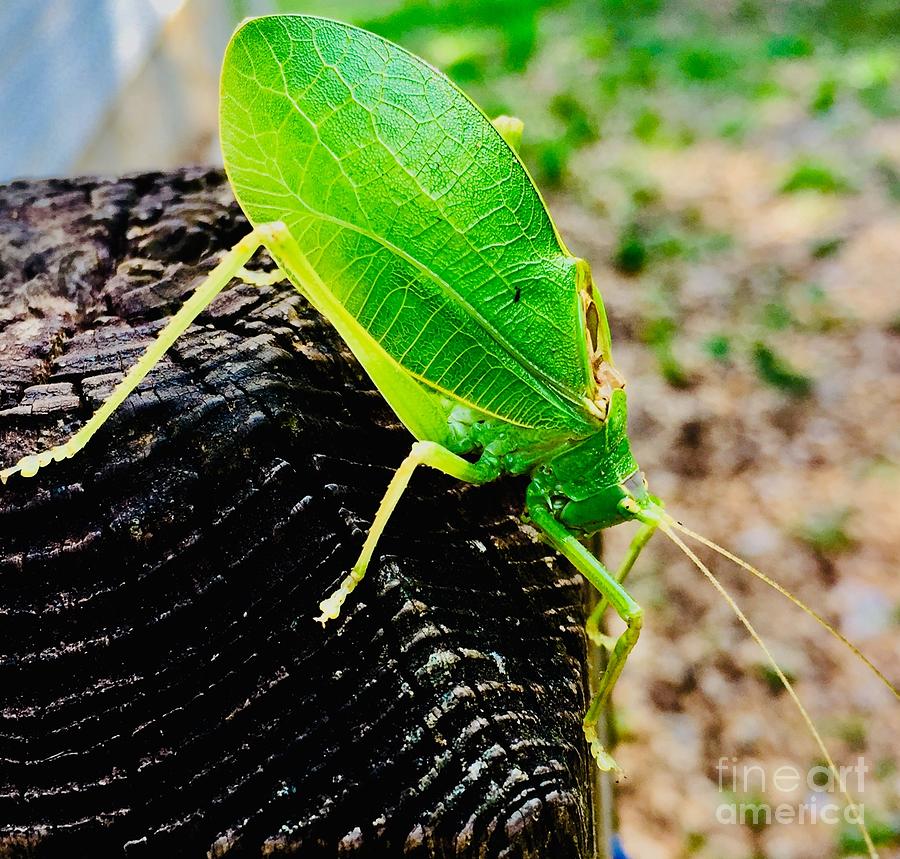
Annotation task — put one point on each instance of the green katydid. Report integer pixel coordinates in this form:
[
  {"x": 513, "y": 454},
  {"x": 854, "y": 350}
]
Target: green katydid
[{"x": 400, "y": 212}]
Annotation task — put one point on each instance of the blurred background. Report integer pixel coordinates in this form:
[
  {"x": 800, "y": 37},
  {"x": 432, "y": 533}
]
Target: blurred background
[{"x": 732, "y": 171}]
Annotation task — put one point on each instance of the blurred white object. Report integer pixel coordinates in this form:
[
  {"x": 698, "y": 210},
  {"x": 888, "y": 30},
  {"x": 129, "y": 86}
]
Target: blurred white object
[
  {"x": 107, "y": 86},
  {"x": 112, "y": 86}
]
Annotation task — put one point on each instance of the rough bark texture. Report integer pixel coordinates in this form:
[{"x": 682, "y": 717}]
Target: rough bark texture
[{"x": 163, "y": 688}]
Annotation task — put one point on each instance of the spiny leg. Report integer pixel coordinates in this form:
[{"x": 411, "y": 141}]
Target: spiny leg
[
  {"x": 630, "y": 612},
  {"x": 232, "y": 263},
  {"x": 592, "y": 625},
  {"x": 422, "y": 453}
]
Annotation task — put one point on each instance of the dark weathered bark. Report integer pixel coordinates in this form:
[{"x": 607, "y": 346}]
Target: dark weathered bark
[{"x": 163, "y": 687}]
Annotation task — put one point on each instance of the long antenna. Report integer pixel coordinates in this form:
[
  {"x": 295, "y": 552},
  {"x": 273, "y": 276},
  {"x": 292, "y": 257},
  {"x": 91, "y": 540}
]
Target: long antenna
[
  {"x": 784, "y": 592},
  {"x": 664, "y": 526}
]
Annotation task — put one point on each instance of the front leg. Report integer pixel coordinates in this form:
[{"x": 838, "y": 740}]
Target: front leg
[
  {"x": 592, "y": 625},
  {"x": 590, "y": 567}
]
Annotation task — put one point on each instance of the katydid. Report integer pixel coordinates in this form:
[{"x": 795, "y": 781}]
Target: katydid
[{"x": 403, "y": 215}]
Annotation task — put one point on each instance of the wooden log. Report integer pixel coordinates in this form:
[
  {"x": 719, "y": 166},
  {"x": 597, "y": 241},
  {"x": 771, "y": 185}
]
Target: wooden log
[{"x": 164, "y": 690}]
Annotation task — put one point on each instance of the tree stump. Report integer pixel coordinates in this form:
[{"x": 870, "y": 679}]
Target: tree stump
[{"x": 165, "y": 691}]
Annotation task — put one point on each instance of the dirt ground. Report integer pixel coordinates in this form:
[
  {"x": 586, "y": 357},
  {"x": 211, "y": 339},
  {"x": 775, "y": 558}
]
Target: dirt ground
[
  {"x": 803, "y": 487},
  {"x": 797, "y": 472}
]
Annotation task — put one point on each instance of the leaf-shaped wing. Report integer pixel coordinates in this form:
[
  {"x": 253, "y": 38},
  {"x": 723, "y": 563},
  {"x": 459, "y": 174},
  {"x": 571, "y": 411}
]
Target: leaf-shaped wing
[{"x": 412, "y": 209}]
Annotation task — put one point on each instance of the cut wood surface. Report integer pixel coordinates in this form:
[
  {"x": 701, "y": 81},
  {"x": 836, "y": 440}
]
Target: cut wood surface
[{"x": 164, "y": 690}]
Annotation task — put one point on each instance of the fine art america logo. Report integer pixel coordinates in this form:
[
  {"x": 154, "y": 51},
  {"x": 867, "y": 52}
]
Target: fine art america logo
[{"x": 821, "y": 792}]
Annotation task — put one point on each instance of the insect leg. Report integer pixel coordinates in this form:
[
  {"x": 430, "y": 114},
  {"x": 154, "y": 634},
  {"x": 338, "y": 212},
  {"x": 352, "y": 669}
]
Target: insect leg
[
  {"x": 217, "y": 279},
  {"x": 422, "y": 453},
  {"x": 605, "y": 582},
  {"x": 592, "y": 625},
  {"x": 261, "y": 278}
]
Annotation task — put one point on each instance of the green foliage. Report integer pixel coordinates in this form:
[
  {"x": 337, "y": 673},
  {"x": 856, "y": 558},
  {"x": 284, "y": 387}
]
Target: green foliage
[
  {"x": 775, "y": 371},
  {"x": 776, "y": 316},
  {"x": 718, "y": 347},
  {"x": 734, "y": 128},
  {"x": 631, "y": 253},
  {"x": 637, "y": 45},
  {"x": 845, "y": 23},
  {"x": 694, "y": 842},
  {"x": 825, "y": 248},
  {"x": 645, "y": 241},
  {"x": 853, "y": 731},
  {"x": 579, "y": 128},
  {"x": 885, "y": 768},
  {"x": 572, "y": 68},
  {"x": 826, "y": 531},
  {"x": 824, "y": 97},
  {"x": 704, "y": 63},
  {"x": 813, "y": 175},
  {"x": 515, "y": 34},
  {"x": 660, "y": 333},
  {"x": 646, "y": 125},
  {"x": 769, "y": 676},
  {"x": 788, "y": 46},
  {"x": 884, "y": 833},
  {"x": 882, "y": 99},
  {"x": 754, "y": 811}
]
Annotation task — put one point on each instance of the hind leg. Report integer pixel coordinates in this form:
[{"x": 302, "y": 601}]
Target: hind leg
[{"x": 230, "y": 266}]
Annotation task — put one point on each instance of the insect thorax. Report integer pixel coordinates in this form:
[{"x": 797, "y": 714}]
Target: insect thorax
[{"x": 585, "y": 483}]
